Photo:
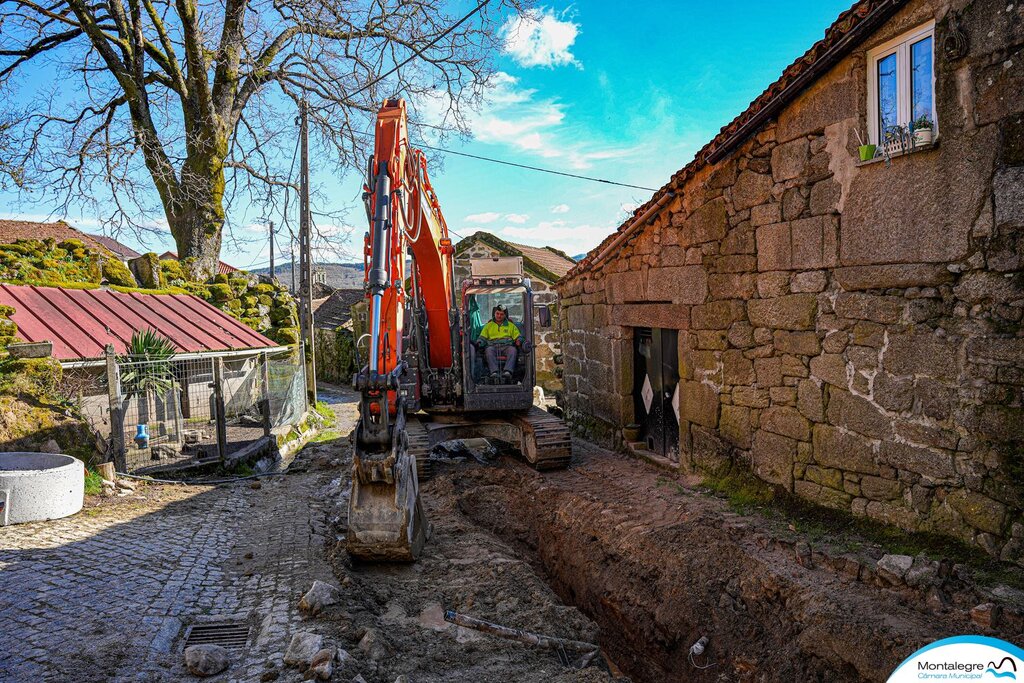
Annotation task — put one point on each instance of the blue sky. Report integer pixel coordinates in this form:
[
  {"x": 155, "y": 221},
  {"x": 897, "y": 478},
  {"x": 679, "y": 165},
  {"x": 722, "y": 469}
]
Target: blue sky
[{"x": 586, "y": 88}]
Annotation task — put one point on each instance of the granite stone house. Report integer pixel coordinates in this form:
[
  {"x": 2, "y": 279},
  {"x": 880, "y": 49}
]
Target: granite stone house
[
  {"x": 848, "y": 329},
  {"x": 543, "y": 265}
]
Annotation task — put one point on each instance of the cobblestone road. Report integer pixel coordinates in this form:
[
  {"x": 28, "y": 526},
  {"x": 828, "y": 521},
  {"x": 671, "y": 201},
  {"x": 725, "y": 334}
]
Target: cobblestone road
[{"x": 106, "y": 595}]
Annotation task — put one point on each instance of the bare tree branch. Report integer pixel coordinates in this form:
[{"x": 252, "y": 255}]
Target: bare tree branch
[{"x": 194, "y": 98}]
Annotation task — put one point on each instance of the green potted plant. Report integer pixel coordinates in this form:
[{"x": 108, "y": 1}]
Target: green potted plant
[
  {"x": 923, "y": 129},
  {"x": 867, "y": 152}
]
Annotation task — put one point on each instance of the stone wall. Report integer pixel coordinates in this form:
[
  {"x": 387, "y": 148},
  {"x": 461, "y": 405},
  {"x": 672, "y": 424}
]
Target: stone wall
[
  {"x": 849, "y": 331},
  {"x": 546, "y": 342}
]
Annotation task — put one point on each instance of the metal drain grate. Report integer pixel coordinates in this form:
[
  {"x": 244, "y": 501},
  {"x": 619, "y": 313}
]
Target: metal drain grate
[{"x": 230, "y": 635}]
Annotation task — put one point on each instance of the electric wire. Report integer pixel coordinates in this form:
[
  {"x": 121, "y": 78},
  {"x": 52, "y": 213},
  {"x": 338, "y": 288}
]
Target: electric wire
[{"x": 539, "y": 169}]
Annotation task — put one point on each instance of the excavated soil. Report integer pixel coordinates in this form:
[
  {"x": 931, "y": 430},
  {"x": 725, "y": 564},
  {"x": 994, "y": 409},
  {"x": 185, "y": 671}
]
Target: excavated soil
[{"x": 614, "y": 552}]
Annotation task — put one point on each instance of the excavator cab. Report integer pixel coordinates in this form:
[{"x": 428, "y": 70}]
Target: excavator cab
[{"x": 497, "y": 282}]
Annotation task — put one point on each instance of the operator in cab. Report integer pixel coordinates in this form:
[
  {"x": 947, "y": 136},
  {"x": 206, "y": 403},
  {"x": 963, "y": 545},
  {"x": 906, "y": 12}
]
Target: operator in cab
[{"x": 500, "y": 333}]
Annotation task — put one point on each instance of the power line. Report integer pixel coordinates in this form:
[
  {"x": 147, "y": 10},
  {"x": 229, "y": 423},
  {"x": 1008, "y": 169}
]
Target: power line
[
  {"x": 538, "y": 168},
  {"x": 420, "y": 51},
  {"x": 518, "y": 165}
]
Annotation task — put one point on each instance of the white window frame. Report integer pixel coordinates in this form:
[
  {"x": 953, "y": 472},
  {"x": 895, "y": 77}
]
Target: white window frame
[{"x": 899, "y": 46}]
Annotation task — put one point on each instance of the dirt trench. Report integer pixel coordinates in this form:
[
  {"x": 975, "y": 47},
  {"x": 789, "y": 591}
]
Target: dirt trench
[
  {"x": 657, "y": 566},
  {"x": 615, "y": 551}
]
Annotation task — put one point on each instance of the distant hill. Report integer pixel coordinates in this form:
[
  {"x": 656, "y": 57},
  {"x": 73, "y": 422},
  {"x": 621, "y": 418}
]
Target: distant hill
[
  {"x": 579, "y": 257},
  {"x": 339, "y": 275}
]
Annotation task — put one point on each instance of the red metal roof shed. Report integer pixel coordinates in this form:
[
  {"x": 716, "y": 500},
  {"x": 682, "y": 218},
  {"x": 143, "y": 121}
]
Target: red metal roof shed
[{"x": 81, "y": 322}]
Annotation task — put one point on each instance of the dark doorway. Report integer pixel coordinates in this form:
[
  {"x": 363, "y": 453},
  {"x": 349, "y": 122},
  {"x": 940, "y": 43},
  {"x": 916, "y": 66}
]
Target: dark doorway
[{"x": 655, "y": 387}]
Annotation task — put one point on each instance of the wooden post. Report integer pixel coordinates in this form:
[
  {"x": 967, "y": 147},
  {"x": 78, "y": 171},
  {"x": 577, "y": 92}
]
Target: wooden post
[
  {"x": 218, "y": 402},
  {"x": 116, "y": 402},
  {"x": 106, "y": 470},
  {"x": 265, "y": 398}
]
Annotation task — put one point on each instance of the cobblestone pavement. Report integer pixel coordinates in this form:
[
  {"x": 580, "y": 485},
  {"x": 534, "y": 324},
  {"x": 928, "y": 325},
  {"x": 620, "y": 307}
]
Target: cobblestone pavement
[{"x": 107, "y": 594}]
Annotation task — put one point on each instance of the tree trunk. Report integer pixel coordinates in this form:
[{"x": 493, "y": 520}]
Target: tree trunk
[{"x": 197, "y": 220}]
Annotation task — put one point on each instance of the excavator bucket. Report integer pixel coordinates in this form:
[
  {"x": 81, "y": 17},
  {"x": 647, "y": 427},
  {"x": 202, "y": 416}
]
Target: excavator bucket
[{"x": 386, "y": 522}]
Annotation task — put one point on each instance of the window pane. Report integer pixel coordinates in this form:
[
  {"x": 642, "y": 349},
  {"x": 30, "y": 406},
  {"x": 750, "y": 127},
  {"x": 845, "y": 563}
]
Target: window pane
[
  {"x": 921, "y": 72},
  {"x": 887, "y": 113}
]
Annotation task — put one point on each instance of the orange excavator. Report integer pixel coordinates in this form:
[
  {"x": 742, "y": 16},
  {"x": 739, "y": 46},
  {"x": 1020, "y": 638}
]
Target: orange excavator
[{"x": 427, "y": 378}]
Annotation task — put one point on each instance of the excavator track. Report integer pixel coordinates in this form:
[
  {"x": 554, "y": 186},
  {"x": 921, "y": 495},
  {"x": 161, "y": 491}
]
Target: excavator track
[
  {"x": 543, "y": 439},
  {"x": 552, "y": 443},
  {"x": 420, "y": 446}
]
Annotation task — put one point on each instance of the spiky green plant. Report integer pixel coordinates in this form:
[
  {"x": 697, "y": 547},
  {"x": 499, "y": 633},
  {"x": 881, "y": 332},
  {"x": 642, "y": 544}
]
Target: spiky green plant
[{"x": 148, "y": 363}]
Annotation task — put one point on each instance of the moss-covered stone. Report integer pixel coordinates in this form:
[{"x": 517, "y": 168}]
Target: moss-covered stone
[
  {"x": 116, "y": 273},
  {"x": 281, "y": 313},
  {"x": 221, "y": 292},
  {"x": 171, "y": 269},
  {"x": 285, "y": 335},
  {"x": 147, "y": 271}
]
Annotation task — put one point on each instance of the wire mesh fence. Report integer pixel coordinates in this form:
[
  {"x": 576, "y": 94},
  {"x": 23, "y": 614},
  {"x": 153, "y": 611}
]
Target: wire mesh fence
[{"x": 188, "y": 411}]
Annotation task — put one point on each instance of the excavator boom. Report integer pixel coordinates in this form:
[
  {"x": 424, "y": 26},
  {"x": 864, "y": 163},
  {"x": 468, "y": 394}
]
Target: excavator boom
[{"x": 425, "y": 353}]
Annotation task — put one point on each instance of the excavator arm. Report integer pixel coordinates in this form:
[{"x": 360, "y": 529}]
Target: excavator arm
[{"x": 386, "y": 520}]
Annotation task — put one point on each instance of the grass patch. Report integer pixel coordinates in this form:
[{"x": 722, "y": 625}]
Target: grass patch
[
  {"x": 741, "y": 488},
  {"x": 326, "y": 435},
  {"x": 324, "y": 410},
  {"x": 93, "y": 483},
  {"x": 243, "y": 470}
]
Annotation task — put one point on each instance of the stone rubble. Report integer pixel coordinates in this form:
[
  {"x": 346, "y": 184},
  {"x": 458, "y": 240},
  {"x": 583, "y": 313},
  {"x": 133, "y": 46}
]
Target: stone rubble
[
  {"x": 302, "y": 648},
  {"x": 318, "y": 597},
  {"x": 206, "y": 660}
]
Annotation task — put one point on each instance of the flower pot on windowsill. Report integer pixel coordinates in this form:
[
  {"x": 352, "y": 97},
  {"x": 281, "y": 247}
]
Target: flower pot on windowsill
[
  {"x": 631, "y": 433},
  {"x": 867, "y": 152},
  {"x": 923, "y": 137}
]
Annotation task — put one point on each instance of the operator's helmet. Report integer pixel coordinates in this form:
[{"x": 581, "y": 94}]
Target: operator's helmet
[{"x": 499, "y": 307}]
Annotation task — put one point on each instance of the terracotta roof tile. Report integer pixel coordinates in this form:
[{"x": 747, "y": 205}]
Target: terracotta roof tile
[
  {"x": 14, "y": 230},
  {"x": 113, "y": 245},
  {"x": 542, "y": 261},
  {"x": 559, "y": 264}
]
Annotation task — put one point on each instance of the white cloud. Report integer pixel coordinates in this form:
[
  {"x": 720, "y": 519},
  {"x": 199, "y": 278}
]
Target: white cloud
[
  {"x": 514, "y": 117},
  {"x": 560, "y": 208},
  {"x": 482, "y": 218},
  {"x": 630, "y": 207},
  {"x": 540, "y": 38},
  {"x": 518, "y": 218},
  {"x": 569, "y": 237}
]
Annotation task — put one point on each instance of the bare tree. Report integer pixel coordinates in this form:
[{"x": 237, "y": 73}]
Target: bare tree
[{"x": 195, "y": 99}]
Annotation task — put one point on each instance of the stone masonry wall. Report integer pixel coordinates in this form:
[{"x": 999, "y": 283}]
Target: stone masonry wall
[
  {"x": 546, "y": 342},
  {"x": 851, "y": 332}
]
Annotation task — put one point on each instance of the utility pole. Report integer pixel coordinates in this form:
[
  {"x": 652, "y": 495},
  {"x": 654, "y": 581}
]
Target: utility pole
[
  {"x": 291, "y": 253},
  {"x": 306, "y": 256},
  {"x": 273, "y": 274}
]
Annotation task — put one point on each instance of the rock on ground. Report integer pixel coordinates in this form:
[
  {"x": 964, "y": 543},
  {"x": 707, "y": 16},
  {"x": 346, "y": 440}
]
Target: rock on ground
[
  {"x": 319, "y": 596},
  {"x": 302, "y": 649},
  {"x": 895, "y": 567},
  {"x": 206, "y": 660},
  {"x": 322, "y": 664},
  {"x": 374, "y": 645}
]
